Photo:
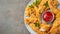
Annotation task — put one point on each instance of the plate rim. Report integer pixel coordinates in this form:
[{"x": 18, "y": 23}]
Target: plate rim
[{"x": 26, "y": 25}]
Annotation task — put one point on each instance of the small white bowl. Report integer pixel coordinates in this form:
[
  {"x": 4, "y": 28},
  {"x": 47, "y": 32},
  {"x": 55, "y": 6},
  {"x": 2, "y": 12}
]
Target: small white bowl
[{"x": 43, "y": 21}]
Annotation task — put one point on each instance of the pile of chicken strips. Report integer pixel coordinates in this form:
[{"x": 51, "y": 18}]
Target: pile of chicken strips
[{"x": 43, "y": 16}]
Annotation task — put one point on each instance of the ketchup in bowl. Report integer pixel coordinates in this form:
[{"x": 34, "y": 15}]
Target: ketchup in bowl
[{"x": 48, "y": 16}]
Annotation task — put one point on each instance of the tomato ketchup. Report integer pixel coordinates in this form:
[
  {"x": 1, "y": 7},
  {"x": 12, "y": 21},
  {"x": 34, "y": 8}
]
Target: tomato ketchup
[{"x": 48, "y": 16}]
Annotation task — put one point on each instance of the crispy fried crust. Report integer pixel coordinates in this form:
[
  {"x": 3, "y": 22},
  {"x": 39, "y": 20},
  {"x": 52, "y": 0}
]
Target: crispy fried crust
[{"x": 35, "y": 15}]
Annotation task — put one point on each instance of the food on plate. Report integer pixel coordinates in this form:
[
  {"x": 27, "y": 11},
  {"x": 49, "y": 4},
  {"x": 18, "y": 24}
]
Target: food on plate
[
  {"x": 55, "y": 26},
  {"x": 58, "y": 15},
  {"x": 46, "y": 27},
  {"x": 35, "y": 26},
  {"x": 43, "y": 16},
  {"x": 53, "y": 8},
  {"x": 40, "y": 32}
]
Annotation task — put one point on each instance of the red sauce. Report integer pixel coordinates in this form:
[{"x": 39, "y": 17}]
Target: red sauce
[{"x": 47, "y": 16}]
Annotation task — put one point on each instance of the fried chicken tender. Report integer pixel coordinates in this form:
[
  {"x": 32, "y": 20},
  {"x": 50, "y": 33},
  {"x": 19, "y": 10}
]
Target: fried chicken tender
[
  {"x": 42, "y": 7},
  {"x": 42, "y": 2},
  {"x": 38, "y": 15},
  {"x": 54, "y": 9},
  {"x": 27, "y": 11},
  {"x": 58, "y": 15},
  {"x": 54, "y": 2},
  {"x": 40, "y": 32},
  {"x": 30, "y": 19},
  {"x": 55, "y": 25},
  {"x": 58, "y": 28},
  {"x": 55, "y": 30},
  {"x": 32, "y": 25},
  {"x": 37, "y": 12},
  {"x": 46, "y": 27}
]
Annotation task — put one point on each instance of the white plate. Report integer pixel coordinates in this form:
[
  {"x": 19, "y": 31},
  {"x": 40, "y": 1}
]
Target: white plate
[{"x": 27, "y": 26}]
